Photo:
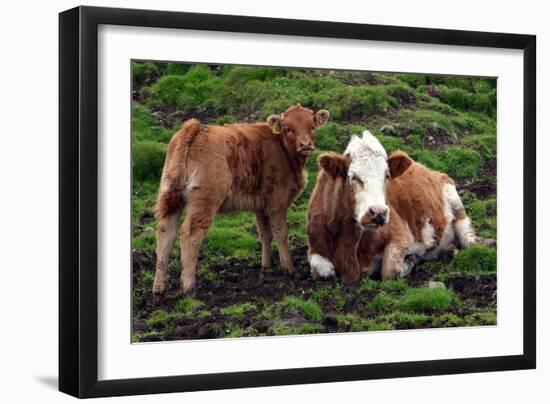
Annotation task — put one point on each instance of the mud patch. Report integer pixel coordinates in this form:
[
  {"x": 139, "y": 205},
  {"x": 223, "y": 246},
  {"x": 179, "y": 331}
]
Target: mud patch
[{"x": 482, "y": 290}]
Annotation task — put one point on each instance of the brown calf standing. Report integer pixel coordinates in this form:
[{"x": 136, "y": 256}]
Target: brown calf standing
[{"x": 251, "y": 167}]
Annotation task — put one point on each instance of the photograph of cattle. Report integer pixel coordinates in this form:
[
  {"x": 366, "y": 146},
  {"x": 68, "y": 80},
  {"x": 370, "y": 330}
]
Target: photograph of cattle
[{"x": 280, "y": 201}]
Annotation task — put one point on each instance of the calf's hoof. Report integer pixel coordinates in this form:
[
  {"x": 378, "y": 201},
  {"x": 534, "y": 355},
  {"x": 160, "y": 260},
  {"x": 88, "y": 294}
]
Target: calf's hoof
[
  {"x": 158, "y": 298},
  {"x": 290, "y": 269},
  {"x": 187, "y": 290}
]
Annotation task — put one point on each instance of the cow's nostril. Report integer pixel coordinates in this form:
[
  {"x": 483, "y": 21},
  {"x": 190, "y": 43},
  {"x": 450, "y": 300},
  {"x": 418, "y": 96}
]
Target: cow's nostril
[{"x": 378, "y": 214}]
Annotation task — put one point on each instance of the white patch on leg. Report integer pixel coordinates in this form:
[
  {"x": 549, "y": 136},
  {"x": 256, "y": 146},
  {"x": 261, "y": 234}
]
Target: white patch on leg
[
  {"x": 465, "y": 232},
  {"x": 322, "y": 266},
  {"x": 451, "y": 197},
  {"x": 419, "y": 247},
  {"x": 462, "y": 227},
  {"x": 192, "y": 182}
]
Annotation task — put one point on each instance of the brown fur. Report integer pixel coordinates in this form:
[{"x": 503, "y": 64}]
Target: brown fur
[
  {"x": 414, "y": 196},
  {"x": 258, "y": 168}
]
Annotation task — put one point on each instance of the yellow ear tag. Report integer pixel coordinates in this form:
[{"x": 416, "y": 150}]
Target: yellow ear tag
[{"x": 275, "y": 129}]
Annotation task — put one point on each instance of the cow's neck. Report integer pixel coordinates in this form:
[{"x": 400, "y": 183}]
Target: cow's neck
[{"x": 298, "y": 162}]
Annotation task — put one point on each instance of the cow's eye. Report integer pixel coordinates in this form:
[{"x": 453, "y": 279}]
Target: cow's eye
[
  {"x": 356, "y": 179},
  {"x": 387, "y": 176}
]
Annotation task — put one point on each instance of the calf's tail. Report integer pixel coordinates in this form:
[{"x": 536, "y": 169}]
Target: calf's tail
[{"x": 174, "y": 174}]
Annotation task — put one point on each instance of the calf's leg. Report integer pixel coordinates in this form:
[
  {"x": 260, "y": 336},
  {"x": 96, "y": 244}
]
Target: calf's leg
[
  {"x": 280, "y": 231},
  {"x": 264, "y": 231},
  {"x": 167, "y": 230},
  {"x": 199, "y": 217},
  {"x": 393, "y": 262}
]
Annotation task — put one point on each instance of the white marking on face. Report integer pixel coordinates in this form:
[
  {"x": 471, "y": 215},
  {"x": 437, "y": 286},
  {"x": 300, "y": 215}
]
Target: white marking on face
[
  {"x": 367, "y": 173},
  {"x": 322, "y": 266}
]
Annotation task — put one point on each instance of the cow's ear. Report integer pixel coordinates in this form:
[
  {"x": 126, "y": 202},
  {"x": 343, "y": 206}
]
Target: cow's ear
[
  {"x": 274, "y": 122},
  {"x": 398, "y": 162},
  {"x": 334, "y": 164},
  {"x": 321, "y": 117}
]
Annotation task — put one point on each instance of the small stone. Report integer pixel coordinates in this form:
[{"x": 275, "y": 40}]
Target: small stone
[
  {"x": 388, "y": 129},
  {"x": 436, "y": 284}
]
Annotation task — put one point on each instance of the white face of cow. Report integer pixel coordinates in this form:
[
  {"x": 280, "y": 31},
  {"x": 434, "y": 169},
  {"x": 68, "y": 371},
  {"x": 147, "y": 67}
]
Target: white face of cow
[{"x": 368, "y": 173}]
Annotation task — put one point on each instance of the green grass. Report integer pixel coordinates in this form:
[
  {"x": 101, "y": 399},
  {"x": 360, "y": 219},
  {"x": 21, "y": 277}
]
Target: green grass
[
  {"x": 308, "y": 308},
  {"x": 382, "y": 302},
  {"x": 476, "y": 259},
  {"x": 159, "y": 319},
  {"x": 238, "y": 310},
  {"x": 187, "y": 306},
  {"x": 147, "y": 160},
  {"x": 426, "y": 300}
]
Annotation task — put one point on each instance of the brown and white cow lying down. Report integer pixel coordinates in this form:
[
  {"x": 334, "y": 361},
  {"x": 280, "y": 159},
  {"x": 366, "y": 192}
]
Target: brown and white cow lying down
[
  {"x": 366, "y": 207},
  {"x": 210, "y": 169}
]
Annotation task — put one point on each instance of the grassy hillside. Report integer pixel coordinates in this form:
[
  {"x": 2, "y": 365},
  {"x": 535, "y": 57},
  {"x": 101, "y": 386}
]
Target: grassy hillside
[{"x": 447, "y": 123}]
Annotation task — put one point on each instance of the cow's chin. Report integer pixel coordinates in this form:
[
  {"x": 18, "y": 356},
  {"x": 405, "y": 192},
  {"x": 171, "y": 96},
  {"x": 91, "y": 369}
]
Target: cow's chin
[
  {"x": 370, "y": 226},
  {"x": 305, "y": 152}
]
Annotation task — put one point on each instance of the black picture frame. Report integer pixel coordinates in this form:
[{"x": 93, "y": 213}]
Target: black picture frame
[{"x": 78, "y": 201}]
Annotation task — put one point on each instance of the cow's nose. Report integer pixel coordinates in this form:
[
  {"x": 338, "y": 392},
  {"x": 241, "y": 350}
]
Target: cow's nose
[
  {"x": 307, "y": 145},
  {"x": 378, "y": 214}
]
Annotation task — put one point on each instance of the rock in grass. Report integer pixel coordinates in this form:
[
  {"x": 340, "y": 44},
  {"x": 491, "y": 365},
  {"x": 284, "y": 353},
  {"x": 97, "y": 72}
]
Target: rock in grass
[{"x": 436, "y": 284}]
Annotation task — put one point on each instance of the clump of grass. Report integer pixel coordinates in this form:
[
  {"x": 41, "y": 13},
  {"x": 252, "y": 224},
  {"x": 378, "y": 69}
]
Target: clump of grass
[
  {"x": 461, "y": 162},
  {"x": 483, "y": 317},
  {"x": 233, "y": 331},
  {"x": 230, "y": 236},
  {"x": 197, "y": 88},
  {"x": 429, "y": 158},
  {"x": 382, "y": 302},
  {"x": 370, "y": 324},
  {"x": 390, "y": 143},
  {"x": 326, "y": 137},
  {"x": 482, "y": 212},
  {"x": 466, "y": 101},
  {"x": 144, "y": 72},
  {"x": 394, "y": 286},
  {"x": 187, "y": 306},
  {"x": 426, "y": 300},
  {"x": 447, "y": 320},
  {"x": 146, "y": 278},
  {"x": 486, "y": 144},
  {"x": 147, "y": 160},
  {"x": 310, "y": 309},
  {"x": 238, "y": 311},
  {"x": 401, "y": 318},
  {"x": 145, "y": 242},
  {"x": 477, "y": 259},
  {"x": 329, "y": 294},
  {"x": 147, "y": 127},
  {"x": 305, "y": 328},
  {"x": 158, "y": 319},
  {"x": 366, "y": 285},
  {"x": 226, "y": 119}
]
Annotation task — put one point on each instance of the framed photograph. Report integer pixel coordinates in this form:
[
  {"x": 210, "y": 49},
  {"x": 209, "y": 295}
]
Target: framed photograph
[{"x": 251, "y": 201}]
